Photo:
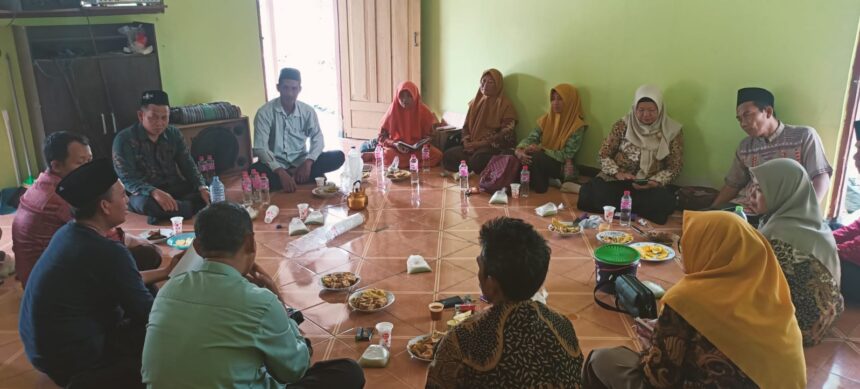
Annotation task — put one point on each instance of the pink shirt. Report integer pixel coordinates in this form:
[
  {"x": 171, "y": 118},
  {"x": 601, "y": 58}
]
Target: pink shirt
[{"x": 40, "y": 214}]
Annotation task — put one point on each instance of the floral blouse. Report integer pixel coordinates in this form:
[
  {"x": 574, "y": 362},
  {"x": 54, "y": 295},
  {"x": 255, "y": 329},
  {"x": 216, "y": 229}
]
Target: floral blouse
[
  {"x": 619, "y": 155},
  {"x": 681, "y": 357}
]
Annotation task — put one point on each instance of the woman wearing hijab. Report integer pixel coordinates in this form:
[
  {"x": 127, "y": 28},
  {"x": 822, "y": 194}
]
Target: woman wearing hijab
[
  {"x": 556, "y": 139},
  {"x": 728, "y": 323},
  {"x": 643, "y": 153},
  {"x": 407, "y": 121},
  {"x": 804, "y": 245},
  {"x": 489, "y": 126}
]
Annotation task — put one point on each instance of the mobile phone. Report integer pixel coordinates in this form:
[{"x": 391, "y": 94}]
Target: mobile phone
[
  {"x": 640, "y": 182},
  {"x": 857, "y": 129},
  {"x": 296, "y": 315},
  {"x": 450, "y": 302}
]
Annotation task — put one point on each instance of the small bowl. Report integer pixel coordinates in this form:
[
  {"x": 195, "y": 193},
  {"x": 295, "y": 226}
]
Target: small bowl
[{"x": 173, "y": 239}]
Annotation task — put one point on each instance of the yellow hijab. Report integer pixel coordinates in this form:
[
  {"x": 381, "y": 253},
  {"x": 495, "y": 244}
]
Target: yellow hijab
[
  {"x": 556, "y": 128},
  {"x": 488, "y": 112},
  {"x": 736, "y": 295}
]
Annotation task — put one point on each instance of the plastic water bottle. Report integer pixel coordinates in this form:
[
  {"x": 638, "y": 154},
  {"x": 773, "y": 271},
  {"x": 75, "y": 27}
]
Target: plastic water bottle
[
  {"x": 354, "y": 165},
  {"x": 413, "y": 168},
  {"x": 378, "y": 154},
  {"x": 739, "y": 210},
  {"x": 255, "y": 188},
  {"x": 216, "y": 191},
  {"x": 247, "y": 191},
  {"x": 425, "y": 157},
  {"x": 264, "y": 190},
  {"x": 525, "y": 178},
  {"x": 626, "y": 211},
  {"x": 464, "y": 176}
]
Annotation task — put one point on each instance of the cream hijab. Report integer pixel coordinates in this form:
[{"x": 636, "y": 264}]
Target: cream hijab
[
  {"x": 653, "y": 139},
  {"x": 793, "y": 215}
]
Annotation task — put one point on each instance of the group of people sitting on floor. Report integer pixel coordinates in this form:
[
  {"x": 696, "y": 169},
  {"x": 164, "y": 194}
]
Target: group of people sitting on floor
[{"x": 93, "y": 316}]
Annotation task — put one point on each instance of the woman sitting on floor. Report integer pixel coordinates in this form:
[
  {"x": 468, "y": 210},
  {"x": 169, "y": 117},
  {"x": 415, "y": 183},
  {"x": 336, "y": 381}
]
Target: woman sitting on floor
[
  {"x": 489, "y": 127},
  {"x": 408, "y": 121},
  {"x": 556, "y": 139},
  {"x": 803, "y": 243},
  {"x": 728, "y": 323},
  {"x": 516, "y": 343},
  {"x": 643, "y": 153}
]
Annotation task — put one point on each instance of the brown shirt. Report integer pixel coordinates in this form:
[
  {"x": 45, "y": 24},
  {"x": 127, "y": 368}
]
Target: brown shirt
[{"x": 619, "y": 155}]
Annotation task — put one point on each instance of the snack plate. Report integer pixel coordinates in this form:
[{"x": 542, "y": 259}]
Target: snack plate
[
  {"x": 638, "y": 245},
  {"x": 357, "y": 280},
  {"x": 358, "y": 293}
]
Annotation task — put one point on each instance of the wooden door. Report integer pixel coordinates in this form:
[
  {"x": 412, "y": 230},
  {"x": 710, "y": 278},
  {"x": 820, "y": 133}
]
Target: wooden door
[
  {"x": 379, "y": 47},
  {"x": 125, "y": 80}
]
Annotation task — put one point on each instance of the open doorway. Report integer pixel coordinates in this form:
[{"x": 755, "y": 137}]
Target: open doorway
[
  {"x": 302, "y": 34},
  {"x": 845, "y": 201}
]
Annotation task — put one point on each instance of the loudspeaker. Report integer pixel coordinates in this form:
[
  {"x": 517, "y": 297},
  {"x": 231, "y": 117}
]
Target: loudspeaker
[{"x": 227, "y": 141}]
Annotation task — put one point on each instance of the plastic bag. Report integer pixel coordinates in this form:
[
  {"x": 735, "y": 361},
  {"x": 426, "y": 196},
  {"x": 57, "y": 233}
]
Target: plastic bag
[
  {"x": 500, "y": 197},
  {"x": 417, "y": 264},
  {"x": 315, "y": 217},
  {"x": 548, "y": 209},
  {"x": 297, "y": 227},
  {"x": 541, "y": 296},
  {"x": 374, "y": 356}
]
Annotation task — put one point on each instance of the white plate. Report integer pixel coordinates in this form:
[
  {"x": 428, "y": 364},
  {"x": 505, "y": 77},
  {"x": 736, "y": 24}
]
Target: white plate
[
  {"x": 603, "y": 237},
  {"x": 357, "y": 280},
  {"x": 319, "y": 192},
  {"x": 413, "y": 341},
  {"x": 359, "y": 292},
  {"x": 405, "y": 176},
  {"x": 637, "y": 245},
  {"x": 166, "y": 232},
  {"x": 551, "y": 228}
]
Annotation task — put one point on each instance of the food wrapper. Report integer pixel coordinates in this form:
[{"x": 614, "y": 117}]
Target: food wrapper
[
  {"x": 541, "y": 296},
  {"x": 315, "y": 217},
  {"x": 374, "y": 356},
  {"x": 417, "y": 264},
  {"x": 548, "y": 209},
  {"x": 500, "y": 197},
  {"x": 297, "y": 227}
]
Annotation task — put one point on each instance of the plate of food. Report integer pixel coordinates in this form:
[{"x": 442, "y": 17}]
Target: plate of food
[
  {"x": 339, "y": 281},
  {"x": 181, "y": 241},
  {"x": 615, "y": 237},
  {"x": 422, "y": 347},
  {"x": 564, "y": 228},
  {"x": 326, "y": 191},
  {"x": 654, "y": 252},
  {"x": 398, "y": 175},
  {"x": 157, "y": 236},
  {"x": 371, "y": 300}
]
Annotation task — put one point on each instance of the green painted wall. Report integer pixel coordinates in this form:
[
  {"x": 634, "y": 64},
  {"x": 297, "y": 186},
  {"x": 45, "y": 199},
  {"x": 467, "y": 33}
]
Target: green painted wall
[
  {"x": 209, "y": 50},
  {"x": 699, "y": 52}
]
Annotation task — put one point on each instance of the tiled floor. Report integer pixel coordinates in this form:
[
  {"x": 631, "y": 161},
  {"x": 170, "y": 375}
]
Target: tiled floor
[{"x": 436, "y": 221}]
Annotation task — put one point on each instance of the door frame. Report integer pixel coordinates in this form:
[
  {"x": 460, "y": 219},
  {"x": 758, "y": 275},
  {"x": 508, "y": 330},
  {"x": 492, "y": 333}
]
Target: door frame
[{"x": 846, "y": 139}]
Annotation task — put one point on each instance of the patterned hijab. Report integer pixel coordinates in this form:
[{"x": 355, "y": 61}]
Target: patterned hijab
[
  {"x": 556, "y": 128},
  {"x": 488, "y": 112},
  {"x": 793, "y": 215},
  {"x": 408, "y": 124},
  {"x": 653, "y": 139},
  {"x": 736, "y": 295}
]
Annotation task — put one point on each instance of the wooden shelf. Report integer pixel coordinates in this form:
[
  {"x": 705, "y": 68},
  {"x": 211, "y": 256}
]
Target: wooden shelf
[{"x": 85, "y": 11}]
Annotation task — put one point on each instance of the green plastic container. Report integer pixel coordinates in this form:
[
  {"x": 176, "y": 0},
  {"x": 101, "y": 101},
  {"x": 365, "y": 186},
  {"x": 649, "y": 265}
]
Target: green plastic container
[{"x": 614, "y": 259}]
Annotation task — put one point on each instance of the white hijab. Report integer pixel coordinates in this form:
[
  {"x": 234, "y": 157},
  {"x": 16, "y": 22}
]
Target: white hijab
[{"x": 653, "y": 139}]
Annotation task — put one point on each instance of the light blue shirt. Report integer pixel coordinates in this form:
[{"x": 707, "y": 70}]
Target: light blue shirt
[
  {"x": 212, "y": 328},
  {"x": 280, "y": 138}
]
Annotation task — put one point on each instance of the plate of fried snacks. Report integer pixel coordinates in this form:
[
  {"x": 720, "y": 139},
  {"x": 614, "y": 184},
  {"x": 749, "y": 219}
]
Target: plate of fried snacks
[
  {"x": 422, "y": 347},
  {"x": 654, "y": 252},
  {"x": 371, "y": 300},
  {"x": 339, "y": 281},
  {"x": 181, "y": 241},
  {"x": 398, "y": 175},
  {"x": 157, "y": 236},
  {"x": 326, "y": 191},
  {"x": 614, "y": 237},
  {"x": 564, "y": 228}
]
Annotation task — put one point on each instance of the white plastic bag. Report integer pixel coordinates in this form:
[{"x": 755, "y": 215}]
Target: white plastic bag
[
  {"x": 297, "y": 227},
  {"x": 315, "y": 217},
  {"x": 541, "y": 296},
  {"x": 417, "y": 264},
  {"x": 500, "y": 197},
  {"x": 548, "y": 209},
  {"x": 374, "y": 356}
]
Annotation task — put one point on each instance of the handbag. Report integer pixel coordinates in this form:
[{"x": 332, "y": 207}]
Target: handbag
[
  {"x": 499, "y": 173},
  {"x": 631, "y": 297}
]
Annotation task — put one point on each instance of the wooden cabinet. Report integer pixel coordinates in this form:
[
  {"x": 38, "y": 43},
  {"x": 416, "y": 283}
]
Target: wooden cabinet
[{"x": 77, "y": 78}]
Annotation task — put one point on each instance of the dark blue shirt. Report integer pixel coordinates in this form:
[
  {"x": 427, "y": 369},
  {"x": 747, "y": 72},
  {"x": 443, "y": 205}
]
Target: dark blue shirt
[{"x": 80, "y": 290}]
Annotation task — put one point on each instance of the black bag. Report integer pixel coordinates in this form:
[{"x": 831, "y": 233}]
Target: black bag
[{"x": 631, "y": 297}]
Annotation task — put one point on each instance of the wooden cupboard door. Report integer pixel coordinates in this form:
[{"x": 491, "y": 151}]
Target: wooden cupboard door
[{"x": 379, "y": 47}]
